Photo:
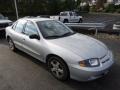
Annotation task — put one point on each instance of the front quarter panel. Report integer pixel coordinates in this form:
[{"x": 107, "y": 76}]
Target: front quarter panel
[{"x": 68, "y": 56}]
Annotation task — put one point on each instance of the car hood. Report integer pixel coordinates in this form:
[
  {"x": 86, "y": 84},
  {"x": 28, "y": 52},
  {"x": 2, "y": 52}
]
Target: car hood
[
  {"x": 82, "y": 45},
  {"x": 5, "y": 21}
]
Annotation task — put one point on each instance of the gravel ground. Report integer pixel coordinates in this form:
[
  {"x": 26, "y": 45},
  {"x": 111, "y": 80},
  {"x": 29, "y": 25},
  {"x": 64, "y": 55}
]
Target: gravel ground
[{"x": 19, "y": 71}]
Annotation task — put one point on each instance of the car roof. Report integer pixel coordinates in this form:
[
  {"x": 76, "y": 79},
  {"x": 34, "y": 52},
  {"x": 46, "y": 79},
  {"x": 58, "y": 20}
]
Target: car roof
[{"x": 35, "y": 19}]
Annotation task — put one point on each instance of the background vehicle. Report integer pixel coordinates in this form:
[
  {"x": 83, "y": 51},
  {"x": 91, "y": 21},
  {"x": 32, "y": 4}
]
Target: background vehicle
[
  {"x": 68, "y": 17},
  {"x": 4, "y": 22},
  {"x": 66, "y": 53},
  {"x": 116, "y": 26}
]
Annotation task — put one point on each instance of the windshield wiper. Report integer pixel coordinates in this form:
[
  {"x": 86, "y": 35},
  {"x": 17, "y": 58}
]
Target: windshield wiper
[
  {"x": 58, "y": 36},
  {"x": 68, "y": 33},
  {"x": 52, "y": 37}
]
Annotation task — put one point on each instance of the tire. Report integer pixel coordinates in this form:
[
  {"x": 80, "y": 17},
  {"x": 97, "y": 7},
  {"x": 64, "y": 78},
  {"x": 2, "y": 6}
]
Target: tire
[
  {"x": 80, "y": 20},
  {"x": 58, "y": 68},
  {"x": 65, "y": 21},
  {"x": 11, "y": 44}
]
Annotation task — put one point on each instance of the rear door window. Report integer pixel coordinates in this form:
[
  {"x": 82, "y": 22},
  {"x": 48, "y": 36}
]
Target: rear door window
[
  {"x": 14, "y": 25},
  {"x": 20, "y": 26}
]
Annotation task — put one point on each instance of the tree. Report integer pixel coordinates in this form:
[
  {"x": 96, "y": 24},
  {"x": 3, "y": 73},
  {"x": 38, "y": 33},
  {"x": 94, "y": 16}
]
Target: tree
[
  {"x": 100, "y": 4},
  {"x": 54, "y": 6},
  {"x": 69, "y": 4}
]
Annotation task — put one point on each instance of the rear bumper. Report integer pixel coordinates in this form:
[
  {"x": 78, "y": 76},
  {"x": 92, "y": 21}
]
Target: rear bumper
[{"x": 87, "y": 74}]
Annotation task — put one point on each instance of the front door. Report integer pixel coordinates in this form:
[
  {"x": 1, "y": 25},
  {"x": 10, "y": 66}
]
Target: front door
[
  {"x": 17, "y": 33},
  {"x": 32, "y": 46}
]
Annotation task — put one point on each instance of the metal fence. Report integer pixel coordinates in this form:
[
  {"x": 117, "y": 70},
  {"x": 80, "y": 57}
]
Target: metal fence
[{"x": 90, "y": 26}]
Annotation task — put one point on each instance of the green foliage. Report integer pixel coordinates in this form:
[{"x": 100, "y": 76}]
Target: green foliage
[
  {"x": 117, "y": 7},
  {"x": 110, "y": 8},
  {"x": 86, "y": 8},
  {"x": 48, "y": 7},
  {"x": 93, "y": 8},
  {"x": 118, "y": 10},
  {"x": 36, "y": 7}
]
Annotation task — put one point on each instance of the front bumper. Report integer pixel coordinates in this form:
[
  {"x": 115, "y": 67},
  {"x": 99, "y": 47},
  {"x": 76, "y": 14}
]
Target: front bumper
[
  {"x": 116, "y": 27},
  {"x": 87, "y": 74}
]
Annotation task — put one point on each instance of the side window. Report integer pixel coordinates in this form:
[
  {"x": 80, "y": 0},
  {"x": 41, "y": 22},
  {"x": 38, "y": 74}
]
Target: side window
[
  {"x": 20, "y": 26},
  {"x": 14, "y": 26},
  {"x": 71, "y": 14},
  {"x": 75, "y": 14},
  {"x": 30, "y": 29},
  {"x": 63, "y": 14}
]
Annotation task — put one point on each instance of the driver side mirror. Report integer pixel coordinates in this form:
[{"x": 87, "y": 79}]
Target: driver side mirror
[{"x": 34, "y": 36}]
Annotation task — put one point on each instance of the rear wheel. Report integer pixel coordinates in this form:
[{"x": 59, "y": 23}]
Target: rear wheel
[
  {"x": 65, "y": 21},
  {"x": 11, "y": 44},
  {"x": 58, "y": 68}
]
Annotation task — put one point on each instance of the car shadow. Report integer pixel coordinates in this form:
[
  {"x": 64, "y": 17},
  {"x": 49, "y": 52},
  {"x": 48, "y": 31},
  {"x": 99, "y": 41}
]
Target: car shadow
[
  {"x": 36, "y": 61},
  {"x": 3, "y": 41}
]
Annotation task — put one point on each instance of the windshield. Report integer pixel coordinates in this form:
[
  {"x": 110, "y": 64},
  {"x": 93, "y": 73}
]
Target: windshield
[
  {"x": 51, "y": 29},
  {"x": 63, "y": 14}
]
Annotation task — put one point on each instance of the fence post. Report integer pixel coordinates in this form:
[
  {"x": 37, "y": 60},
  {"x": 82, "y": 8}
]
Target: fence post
[{"x": 96, "y": 31}]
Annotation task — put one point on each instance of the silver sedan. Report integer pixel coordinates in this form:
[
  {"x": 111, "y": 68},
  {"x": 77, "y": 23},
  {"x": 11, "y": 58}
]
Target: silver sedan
[{"x": 66, "y": 53}]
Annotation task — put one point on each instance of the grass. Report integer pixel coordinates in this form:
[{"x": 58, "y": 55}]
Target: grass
[{"x": 106, "y": 36}]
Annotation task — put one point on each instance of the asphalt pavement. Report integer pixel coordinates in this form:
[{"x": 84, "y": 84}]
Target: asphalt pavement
[
  {"x": 19, "y": 71},
  {"x": 108, "y": 19}
]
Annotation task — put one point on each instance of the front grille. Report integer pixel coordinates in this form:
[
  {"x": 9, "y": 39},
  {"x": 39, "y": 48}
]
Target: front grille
[{"x": 4, "y": 25}]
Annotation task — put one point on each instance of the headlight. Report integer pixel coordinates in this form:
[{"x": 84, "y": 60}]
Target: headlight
[{"x": 94, "y": 62}]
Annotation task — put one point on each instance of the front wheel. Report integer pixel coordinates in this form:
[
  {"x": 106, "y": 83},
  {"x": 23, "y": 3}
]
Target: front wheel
[{"x": 58, "y": 68}]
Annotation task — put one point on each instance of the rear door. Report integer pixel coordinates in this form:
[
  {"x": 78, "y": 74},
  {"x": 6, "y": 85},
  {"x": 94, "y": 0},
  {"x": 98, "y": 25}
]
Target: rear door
[
  {"x": 64, "y": 16},
  {"x": 72, "y": 18},
  {"x": 17, "y": 33},
  {"x": 76, "y": 18}
]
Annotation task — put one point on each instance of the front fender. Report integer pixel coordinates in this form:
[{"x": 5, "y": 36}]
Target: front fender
[{"x": 68, "y": 56}]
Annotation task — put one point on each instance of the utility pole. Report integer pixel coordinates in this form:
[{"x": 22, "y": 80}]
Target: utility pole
[{"x": 16, "y": 9}]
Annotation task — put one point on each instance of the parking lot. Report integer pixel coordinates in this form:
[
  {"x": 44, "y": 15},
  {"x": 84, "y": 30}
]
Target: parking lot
[{"x": 19, "y": 71}]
